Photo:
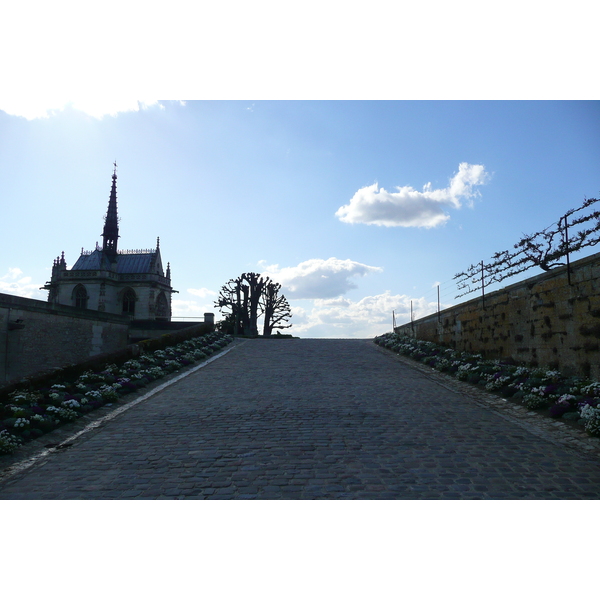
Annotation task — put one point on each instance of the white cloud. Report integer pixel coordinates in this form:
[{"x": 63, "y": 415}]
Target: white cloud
[
  {"x": 202, "y": 292},
  {"x": 13, "y": 283},
  {"x": 408, "y": 207},
  {"x": 371, "y": 316},
  {"x": 38, "y": 107},
  {"x": 191, "y": 309},
  {"x": 318, "y": 278}
]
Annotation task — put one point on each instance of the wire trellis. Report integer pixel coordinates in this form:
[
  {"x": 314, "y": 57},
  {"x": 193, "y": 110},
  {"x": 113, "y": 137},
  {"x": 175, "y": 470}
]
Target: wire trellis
[{"x": 543, "y": 249}]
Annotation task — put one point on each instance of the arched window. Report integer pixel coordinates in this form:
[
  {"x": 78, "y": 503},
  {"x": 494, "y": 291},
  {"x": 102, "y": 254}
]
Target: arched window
[
  {"x": 80, "y": 296},
  {"x": 162, "y": 306},
  {"x": 129, "y": 302}
]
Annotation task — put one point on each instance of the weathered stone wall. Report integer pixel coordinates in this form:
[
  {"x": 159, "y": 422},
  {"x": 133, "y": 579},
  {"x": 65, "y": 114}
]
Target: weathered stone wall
[
  {"x": 150, "y": 329},
  {"x": 541, "y": 321},
  {"x": 36, "y": 335}
]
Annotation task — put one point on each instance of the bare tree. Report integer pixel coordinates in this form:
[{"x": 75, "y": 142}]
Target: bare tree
[
  {"x": 239, "y": 300},
  {"x": 252, "y": 285},
  {"x": 276, "y": 309},
  {"x": 231, "y": 306}
]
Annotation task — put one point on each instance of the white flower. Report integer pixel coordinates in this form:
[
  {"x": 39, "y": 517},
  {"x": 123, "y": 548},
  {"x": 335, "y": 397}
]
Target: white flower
[
  {"x": 566, "y": 399},
  {"x": 591, "y": 390},
  {"x": 587, "y": 412},
  {"x": 8, "y": 442},
  {"x": 71, "y": 403}
]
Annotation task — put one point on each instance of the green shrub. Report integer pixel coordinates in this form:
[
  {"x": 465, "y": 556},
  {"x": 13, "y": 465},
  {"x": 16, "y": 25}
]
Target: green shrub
[{"x": 533, "y": 401}]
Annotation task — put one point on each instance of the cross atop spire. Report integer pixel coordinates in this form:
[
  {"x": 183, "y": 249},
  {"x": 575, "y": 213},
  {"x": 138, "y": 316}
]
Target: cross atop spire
[{"x": 111, "y": 221}]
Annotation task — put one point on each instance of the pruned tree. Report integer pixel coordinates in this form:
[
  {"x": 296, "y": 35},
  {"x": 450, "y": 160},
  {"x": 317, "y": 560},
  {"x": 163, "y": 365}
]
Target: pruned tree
[
  {"x": 252, "y": 285},
  {"x": 239, "y": 301},
  {"x": 243, "y": 300},
  {"x": 543, "y": 249},
  {"x": 276, "y": 309},
  {"x": 231, "y": 306}
]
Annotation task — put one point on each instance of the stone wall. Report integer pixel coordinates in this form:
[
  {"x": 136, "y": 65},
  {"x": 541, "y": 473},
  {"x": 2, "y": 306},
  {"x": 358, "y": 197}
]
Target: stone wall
[
  {"x": 542, "y": 321},
  {"x": 36, "y": 335},
  {"x": 149, "y": 329}
]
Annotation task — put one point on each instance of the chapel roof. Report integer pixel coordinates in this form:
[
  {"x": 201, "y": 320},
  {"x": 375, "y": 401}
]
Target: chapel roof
[{"x": 143, "y": 262}]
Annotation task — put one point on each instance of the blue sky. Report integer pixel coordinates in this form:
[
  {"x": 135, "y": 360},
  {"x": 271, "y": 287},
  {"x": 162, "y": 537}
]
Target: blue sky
[
  {"x": 296, "y": 189},
  {"x": 359, "y": 170}
]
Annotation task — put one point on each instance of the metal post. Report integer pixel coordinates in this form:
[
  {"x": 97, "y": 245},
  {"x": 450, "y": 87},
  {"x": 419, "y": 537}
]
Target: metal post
[
  {"x": 439, "y": 317},
  {"x": 5, "y": 374},
  {"x": 482, "y": 287},
  {"x": 567, "y": 247}
]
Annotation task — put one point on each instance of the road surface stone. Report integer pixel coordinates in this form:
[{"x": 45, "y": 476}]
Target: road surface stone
[{"x": 317, "y": 419}]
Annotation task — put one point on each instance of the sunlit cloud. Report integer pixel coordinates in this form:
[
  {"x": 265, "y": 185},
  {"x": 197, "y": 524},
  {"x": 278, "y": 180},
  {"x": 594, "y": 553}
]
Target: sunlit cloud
[
  {"x": 15, "y": 284},
  {"x": 185, "y": 309},
  {"x": 36, "y": 107},
  {"x": 202, "y": 292},
  {"x": 318, "y": 278},
  {"x": 368, "y": 317},
  {"x": 408, "y": 207}
]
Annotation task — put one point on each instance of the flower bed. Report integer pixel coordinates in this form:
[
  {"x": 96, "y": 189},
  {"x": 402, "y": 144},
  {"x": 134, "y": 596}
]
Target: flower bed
[
  {"x": 571, "y": 398},
  {"x": 29, "y": 413}
]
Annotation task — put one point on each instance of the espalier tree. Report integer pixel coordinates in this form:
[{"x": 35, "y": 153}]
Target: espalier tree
[
  {"x": 244, "y": 299},
  {"x": 544, "y": 249}
]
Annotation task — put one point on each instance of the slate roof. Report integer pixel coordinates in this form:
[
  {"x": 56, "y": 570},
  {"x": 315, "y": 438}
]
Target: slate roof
[
  {"x": 126, "y": 263},
  {"x": 89, "y": 262},
  {"x": 135, "y": 263}
]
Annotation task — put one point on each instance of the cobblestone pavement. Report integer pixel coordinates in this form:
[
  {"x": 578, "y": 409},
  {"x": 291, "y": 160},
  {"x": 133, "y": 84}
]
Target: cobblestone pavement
[{"x": 316, "y": 419}]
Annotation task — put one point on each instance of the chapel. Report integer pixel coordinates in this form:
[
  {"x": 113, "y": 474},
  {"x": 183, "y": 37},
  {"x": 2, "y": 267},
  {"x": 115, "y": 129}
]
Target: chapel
[{"x": 126, "y": 282}]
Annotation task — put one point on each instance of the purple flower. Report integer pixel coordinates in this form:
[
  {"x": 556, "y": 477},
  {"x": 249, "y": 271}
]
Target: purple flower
[
  {"x": 587, "y": 402},
  {"x": 558, "y": 410}
]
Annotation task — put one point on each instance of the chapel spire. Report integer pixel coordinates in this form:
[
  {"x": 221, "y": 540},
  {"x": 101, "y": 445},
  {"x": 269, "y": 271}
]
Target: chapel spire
[{"x": 111, "y": 221}]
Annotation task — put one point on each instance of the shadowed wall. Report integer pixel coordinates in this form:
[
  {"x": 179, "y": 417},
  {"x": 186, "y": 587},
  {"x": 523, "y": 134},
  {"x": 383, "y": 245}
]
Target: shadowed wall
[{"x": 35, "y": 335}]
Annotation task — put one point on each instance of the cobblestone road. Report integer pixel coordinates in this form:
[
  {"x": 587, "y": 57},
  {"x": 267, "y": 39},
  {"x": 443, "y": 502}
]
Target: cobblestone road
[{"x": 315, "y": 419}]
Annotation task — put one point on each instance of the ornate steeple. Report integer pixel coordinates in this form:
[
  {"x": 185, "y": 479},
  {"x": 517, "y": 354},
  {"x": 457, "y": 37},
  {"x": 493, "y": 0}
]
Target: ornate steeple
[{"x": 111, "y": 222}]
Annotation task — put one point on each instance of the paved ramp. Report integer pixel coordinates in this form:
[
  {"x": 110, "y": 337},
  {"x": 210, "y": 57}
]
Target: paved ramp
[{"x": 311, "y": 419}]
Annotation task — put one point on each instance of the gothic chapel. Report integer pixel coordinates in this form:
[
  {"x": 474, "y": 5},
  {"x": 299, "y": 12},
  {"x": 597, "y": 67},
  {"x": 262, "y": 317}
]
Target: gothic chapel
[{"x": 127, "y": 282}]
